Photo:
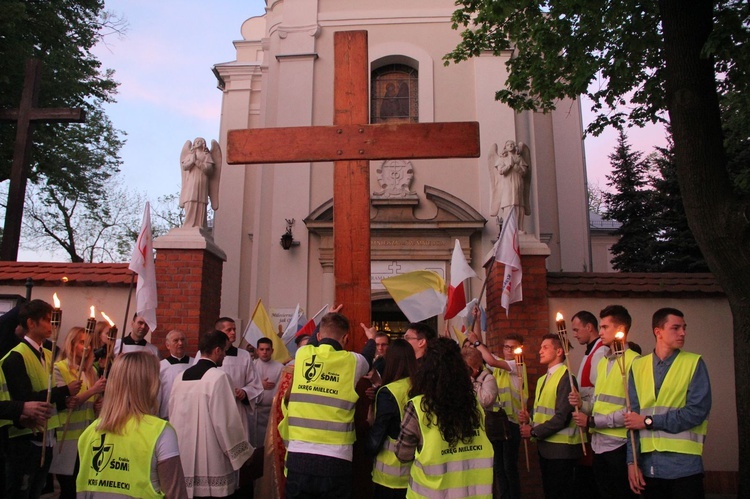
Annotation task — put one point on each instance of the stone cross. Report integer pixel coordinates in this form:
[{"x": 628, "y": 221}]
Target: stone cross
[
  {"x": 25, "y": 117},
  {"x": 351, "y": 143}
]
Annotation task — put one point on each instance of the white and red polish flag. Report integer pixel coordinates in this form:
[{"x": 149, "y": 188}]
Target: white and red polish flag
[{"x": 460, "y": 271}]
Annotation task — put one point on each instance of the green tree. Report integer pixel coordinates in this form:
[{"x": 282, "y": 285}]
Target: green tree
[
  {"x": 675, "y": 248},
  {"x": 631, "y": 205},
  {"x": 664, "y": 57},
  {"x": 61, "y": 34}
]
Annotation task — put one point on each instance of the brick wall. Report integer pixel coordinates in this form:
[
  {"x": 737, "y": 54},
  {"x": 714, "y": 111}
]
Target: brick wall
[
  {"x": 530, "y": 319},
  {"x": 189, "y": 294}
]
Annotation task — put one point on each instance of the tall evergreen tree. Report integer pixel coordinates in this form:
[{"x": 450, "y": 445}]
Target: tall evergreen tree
[
  {"x": 631, "y": 206},
  {"x": 675, "y": 248}
]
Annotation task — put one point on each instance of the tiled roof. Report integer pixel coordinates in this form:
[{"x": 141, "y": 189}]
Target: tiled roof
[
  {"x": 77, "y": 274},
  {"x": 572, "y": 284}
]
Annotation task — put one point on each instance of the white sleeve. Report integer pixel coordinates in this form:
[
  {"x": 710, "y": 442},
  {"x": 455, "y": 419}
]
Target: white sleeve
[{"x": 166, "y": 444}]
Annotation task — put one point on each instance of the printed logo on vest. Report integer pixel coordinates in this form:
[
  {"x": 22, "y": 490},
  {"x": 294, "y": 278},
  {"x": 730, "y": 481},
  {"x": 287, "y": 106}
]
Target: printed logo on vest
[
  {"x": 312, "y": 369},
  {"x": 102, "y": 454}
]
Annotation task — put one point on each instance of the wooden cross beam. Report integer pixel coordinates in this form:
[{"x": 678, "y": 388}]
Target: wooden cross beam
[
  {"x": 351, "y": 143},
  {"x": 25, "y": 116}
]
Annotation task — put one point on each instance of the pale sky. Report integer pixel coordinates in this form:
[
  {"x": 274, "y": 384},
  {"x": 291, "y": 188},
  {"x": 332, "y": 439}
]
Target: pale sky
[{"x": 168, "y": 93}]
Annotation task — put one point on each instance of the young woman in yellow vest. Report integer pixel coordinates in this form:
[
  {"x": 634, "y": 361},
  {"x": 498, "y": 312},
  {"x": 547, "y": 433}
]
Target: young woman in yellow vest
[
  {"x": 390, "y": 476},
  {"x": 443, "y": 429},
  {"x": 82, "y": 412},
  {"x": 129, "y": 452}
]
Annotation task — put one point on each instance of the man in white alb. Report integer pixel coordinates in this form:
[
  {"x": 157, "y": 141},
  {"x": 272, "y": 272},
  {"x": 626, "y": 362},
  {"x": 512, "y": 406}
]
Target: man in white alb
[
  {"x": 136, "y": 340},
  {"x": 171, "y": 367},
  {"x": 268, "y": 371}
]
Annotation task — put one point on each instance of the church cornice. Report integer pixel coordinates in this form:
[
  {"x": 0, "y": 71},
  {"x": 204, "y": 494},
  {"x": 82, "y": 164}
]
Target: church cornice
[{"x": 397, "y": 234}]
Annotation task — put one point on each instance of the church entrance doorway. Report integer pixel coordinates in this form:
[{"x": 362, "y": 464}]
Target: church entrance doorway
[{"x": 387, "y": 317}]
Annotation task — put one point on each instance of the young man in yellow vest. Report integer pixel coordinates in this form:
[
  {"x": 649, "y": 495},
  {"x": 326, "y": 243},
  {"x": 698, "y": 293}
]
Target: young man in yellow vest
[
  {"x": 557, "y": 437},
  {"x": 605, "y": 415},
  {"x": 319, "y": 415},
  {"x": 26, "y": 373},
  {"x": 670, "y": 396}
]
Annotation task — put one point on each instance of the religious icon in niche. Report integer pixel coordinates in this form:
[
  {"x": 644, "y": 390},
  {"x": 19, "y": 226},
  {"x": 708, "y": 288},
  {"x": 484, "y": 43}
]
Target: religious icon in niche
[
  {"x": 394, "y": 178},
  {"x": 394, "y": 95}
]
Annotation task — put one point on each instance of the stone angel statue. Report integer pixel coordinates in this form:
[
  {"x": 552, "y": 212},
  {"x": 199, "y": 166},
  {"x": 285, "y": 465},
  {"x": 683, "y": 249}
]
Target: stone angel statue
[
  {"x": 201, "y": 171},
  {"x": 510, "y": 180}
]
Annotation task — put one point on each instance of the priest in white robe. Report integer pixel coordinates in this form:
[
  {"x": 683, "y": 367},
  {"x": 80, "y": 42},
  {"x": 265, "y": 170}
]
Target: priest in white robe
[
  {"x": 209, "y": 429},
  {"x": 269, "y": 372},
  {"x": 242, "y": 376},
  {"x": 171, "y": 367}
]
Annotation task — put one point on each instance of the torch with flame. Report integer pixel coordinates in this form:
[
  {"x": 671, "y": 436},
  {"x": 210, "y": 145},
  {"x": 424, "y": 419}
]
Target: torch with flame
[
  {"x": 55, "y": 320},
  {"x": 111, "y": 336},
  {"x": 562, "y": 333}
]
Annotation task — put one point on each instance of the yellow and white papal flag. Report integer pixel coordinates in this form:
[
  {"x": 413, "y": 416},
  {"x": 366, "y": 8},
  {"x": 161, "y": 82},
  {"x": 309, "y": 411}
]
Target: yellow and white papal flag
[
  {"x": 420, "y": 294},
  {"x": 261, "y": 326}
]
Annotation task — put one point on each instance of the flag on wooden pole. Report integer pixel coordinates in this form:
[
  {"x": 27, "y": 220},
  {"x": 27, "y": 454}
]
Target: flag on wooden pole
[
  {"x": 420, "y": 294},
  {"x": 142, "y": 263},
  {"x": 507, "y": 251},
  {"x": 460, "y": 271},
  {"x": 309, "y": 328},
  {"x": 261, "y": 326}
]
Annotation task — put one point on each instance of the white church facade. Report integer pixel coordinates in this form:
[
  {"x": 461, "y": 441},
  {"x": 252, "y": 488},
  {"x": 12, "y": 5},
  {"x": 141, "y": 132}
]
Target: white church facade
[{"x": 283, "y": 76}]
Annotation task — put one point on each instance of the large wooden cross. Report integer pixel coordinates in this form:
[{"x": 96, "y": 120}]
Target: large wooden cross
[
  {"x": 25, "y": 116},
  {"x": 351, "y": 143}
]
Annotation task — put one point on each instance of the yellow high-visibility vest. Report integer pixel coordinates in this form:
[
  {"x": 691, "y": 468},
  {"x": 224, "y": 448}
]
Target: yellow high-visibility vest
[
  {"x": 442, "y": 471},
  {"x": 544, "y": 408},
  {"x": 120, "y": 464},
  {"x": 388, "y": 471},
  {"x": 672, "y": 395},
  {"x": 609, "y": 392},
  {"x": 322, "y": 396},
  {"x": 39, "y": 378}
]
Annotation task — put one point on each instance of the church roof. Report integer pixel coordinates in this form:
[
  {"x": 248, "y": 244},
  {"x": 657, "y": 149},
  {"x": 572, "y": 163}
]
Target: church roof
[
  {"x": 621, "y": 284},
  {"x": 77, "y": 274}
]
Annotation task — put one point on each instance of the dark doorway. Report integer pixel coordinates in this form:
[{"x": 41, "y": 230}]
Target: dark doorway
[{"x": 387, "y": 317}]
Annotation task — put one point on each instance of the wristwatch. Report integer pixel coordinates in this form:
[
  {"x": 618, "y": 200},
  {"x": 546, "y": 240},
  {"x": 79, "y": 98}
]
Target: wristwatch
[
  {"x": 649, "y": 422},
  {"x": 477, "y": 343}
]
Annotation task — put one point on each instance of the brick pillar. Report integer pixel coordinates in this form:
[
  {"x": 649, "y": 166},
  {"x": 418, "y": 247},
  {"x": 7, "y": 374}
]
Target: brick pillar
[
  {"x": 188, "y": 279},
  {"x": 530, "y": 319}
]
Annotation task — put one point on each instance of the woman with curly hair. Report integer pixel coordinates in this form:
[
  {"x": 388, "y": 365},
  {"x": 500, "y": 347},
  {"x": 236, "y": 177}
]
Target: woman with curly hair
[{"x": 443, "y": 429}]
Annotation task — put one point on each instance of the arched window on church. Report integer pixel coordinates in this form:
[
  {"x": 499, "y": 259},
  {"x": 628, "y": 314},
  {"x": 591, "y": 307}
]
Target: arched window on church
[{"x": 394, "y": 94}]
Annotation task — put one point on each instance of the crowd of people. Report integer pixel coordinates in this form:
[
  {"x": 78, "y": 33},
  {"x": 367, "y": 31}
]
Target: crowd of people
[{"x": 445, "y": 420}]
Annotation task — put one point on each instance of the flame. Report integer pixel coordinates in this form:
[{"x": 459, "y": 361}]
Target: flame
[
  {"x": 93, "y": 312},
  {"x": 518, "y": 351},
  {"x": 106, "y": 318},
  {"x": 558, "y": 317},
  {"x": 620, "y": 335},
  {"x": 56, "y": 300}
]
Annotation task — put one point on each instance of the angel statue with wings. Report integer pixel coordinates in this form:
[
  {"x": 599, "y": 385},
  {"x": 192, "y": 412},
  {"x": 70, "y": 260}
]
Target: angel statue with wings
[
  {"x": 201, "y": 170},
  {"x": 510, "y": 181}
]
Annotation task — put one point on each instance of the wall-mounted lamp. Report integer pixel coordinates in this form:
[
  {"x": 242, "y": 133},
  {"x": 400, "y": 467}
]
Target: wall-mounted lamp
[{"x": 287, "y": 239}]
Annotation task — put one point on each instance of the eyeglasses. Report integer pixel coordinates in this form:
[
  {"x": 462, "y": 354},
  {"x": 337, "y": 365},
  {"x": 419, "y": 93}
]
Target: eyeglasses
[
  {"x": 507, "y": 347},
  {"x": 410, "y": 338}
]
